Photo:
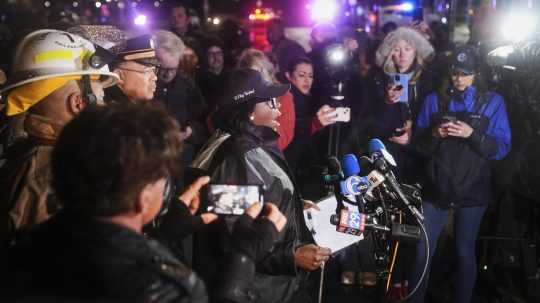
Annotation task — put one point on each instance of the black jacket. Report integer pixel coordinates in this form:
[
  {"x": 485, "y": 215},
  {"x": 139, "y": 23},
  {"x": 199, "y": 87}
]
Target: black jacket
[
  {"x": 252, "y": 157},
  {"x": 81, "y": 258},
  {"x": 393, "y": 115},
  {"x": 385, "y": 118},
  {"x": 458, "y": 171},
  {"x": 185, "y": 101},
  {"x": 301, "y": 143},
  {"x": 212, "y": 87}
]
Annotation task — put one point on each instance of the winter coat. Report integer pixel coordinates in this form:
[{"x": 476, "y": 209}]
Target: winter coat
[
  {"x": 25, "y": 192},
  {"x": 458, "y": 172},
  {"x": 300, "y": 145},
  {"x": 82, "y": 258},
  {"x": 251, "y": 156},
  {"x": 383, "y": 118},
  {"x": 186, "y": 104}
]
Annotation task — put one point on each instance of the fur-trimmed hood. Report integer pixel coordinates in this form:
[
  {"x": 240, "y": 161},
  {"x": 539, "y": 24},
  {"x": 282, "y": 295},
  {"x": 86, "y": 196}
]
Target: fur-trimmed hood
[{"x": 424, "y": 49}]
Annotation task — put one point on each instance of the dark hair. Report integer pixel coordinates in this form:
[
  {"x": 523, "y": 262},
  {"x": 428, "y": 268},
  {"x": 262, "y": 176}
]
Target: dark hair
[
  {"x": 106, "y": 156},
  {"x": 293, "y": 63},
  {"x": 178, "y": 4}
]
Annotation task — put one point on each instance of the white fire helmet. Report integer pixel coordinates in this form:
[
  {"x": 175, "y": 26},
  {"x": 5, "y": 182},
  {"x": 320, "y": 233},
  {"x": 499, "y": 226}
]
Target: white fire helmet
[{"x": 47, "y": 53}]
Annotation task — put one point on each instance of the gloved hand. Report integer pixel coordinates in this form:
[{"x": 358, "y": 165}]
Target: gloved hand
[{"x": 256, "y": 237}]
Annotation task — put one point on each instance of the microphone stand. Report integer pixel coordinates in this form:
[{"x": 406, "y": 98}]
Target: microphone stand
[
  {"x": 381, "y": 165},
  {"x": 333, "y": 146}
]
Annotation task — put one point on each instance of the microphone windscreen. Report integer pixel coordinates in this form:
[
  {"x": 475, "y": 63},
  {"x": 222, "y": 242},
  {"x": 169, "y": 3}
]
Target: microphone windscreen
[
  {"x": 350, "y": 165},
  {"x": 375, "y": 145}
]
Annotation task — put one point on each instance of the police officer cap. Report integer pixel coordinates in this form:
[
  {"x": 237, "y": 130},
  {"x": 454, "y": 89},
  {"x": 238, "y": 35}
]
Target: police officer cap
[{"x": 140, "y": 49}]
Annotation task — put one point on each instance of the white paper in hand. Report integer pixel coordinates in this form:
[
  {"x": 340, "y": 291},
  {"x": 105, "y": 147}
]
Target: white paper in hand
[{"x": 324, "y": 233}]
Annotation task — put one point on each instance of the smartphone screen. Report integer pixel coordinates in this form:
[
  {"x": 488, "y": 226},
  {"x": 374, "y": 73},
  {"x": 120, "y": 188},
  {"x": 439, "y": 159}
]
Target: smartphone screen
[
  {"x": 402, "y": 80},
  {"x": 226, "y": 199}
]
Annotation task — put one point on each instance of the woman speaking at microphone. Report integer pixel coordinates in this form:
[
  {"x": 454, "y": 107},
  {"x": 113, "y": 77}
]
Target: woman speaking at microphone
[{"x": 246, "y": 152}]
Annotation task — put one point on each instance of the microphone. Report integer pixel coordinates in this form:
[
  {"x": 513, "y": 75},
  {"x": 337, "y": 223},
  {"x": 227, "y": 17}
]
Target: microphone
[
  {"x": 335, "y": 172},
  {"x": 354, "y": 223},
  {"x": 377, "y": 150},
  {"x": 351, "y": 166},
  {"x": 353, "y": 184},
  {"x": 380, "y": 165}
]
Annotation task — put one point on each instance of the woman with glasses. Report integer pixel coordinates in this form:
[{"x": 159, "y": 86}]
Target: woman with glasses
[
  {"x": 257, "y": 60},
  {"x": 247, "y": 153}
]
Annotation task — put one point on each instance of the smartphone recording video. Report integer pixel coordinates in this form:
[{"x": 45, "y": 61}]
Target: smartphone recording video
[{"x": 225, "y": 199}]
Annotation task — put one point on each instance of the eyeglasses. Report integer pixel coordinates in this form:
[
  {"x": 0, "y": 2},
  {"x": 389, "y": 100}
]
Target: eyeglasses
[
  {"x": 273, "y": 103},
  {"x": 146, "y": 70}
]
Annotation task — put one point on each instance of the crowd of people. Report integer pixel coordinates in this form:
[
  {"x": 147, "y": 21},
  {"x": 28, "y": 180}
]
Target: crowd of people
[{"x": 106, "y": 152}]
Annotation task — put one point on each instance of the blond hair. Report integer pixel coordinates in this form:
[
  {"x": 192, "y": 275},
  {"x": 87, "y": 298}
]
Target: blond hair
[
  {"x": 424, "y": 49},
  {"x": 257, "y": 60}
]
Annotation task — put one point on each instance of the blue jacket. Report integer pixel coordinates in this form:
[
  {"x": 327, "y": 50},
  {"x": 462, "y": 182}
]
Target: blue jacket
[{"x": 458, "y": 170}]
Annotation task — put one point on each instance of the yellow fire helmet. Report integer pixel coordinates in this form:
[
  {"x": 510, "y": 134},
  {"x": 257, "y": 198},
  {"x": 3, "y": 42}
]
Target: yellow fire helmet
[{"x": 47, "y": 54}]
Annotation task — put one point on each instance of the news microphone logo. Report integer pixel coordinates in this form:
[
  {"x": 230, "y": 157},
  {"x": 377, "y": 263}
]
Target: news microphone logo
[
  {"x": 349, "y": 222},
  {"x": 354, "y": 185}
]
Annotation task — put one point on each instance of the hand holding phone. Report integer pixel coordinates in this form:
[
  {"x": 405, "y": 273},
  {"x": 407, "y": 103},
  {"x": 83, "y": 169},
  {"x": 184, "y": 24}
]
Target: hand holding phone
[
  {"x": 399, "y": 84},
  {"x": 326, "y": 115},
  {"x": 441, "y": 130}
]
